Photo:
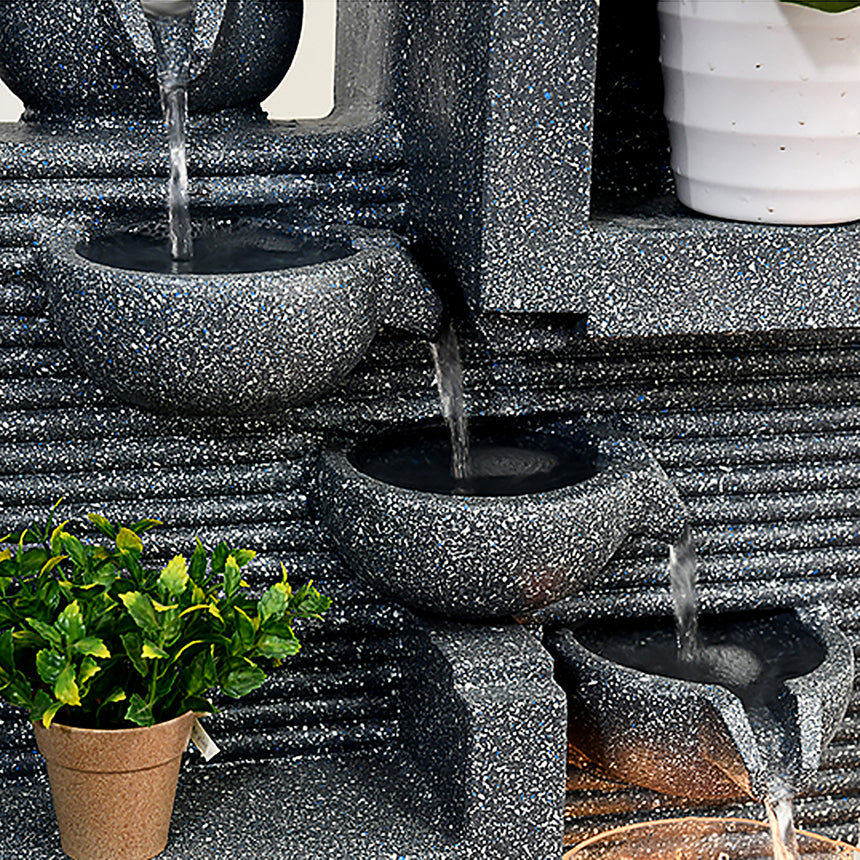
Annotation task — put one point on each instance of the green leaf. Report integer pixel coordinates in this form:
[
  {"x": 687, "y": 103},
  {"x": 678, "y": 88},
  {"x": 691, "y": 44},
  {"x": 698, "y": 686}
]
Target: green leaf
[
  {"x": 139, "y": 712},
  {"x": 243, "y": 556},
  {"x": 117, "y": 694},
  {"x": 276, "y": 647},
  {"x": 273, "y": 603},
  {"x": 65, "y": 687},
  {"x": 826, "y": 5},
  {"x": 7, "y": 652},
  {"x": 17, "y": 691},
  {"x": 174, "y": 577},
  {"x": 52, "y": 562},
  {"x": 313, "y": 605},
  {"x": 128, "y": 543},
  {"x": 242, "y": 678},
  {"x": 49, "y": 665},
  {"x": 103, "y": 525},
  {"x": 151, "y": 651},
  {"x": 48, "y": 633},
  {"x": 133, "y": 645},
  {"x": 144, "y": 525},
  {"x": 232, "y": 576},
  {"x": 91, "y": 646},
  {"x": 219, "y": 557},
  {"x": 33, "y": 560},
  {"x": 44, "y": 708},
  {"x": 197, "y": 566},
  {"x": 200, "y": 675},
  {"x": 56, "y": 539},
  {"x": 244, "y": 628},
  {"x": 71, "y": 623},
  {"x": 163, "y": 686},
  {"x": 140, "y": 608},
  {"x": 197, "y": 704},
  {"x": 75, "y": 549},
  {"x": 88, "y": 668}
]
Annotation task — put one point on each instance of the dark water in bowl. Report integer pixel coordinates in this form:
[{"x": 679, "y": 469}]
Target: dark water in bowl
[
  {"x": 751, "y": 654},
  {"x": 220, "y": 251},
  {"x": 501, "y": 464}
]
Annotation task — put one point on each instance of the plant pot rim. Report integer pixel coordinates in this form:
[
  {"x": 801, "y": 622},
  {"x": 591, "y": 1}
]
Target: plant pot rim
[
  {"x": 114, "y": 750},
  {"x": 37, "y": 725}
]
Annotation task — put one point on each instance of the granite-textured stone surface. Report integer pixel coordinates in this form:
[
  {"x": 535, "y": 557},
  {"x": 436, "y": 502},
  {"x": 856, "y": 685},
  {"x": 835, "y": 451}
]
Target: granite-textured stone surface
[
  {"x": 240, "y": 343},
  {"x": 334, "y": 808},
  {"x": 441, "y": 110},
  {"x": 483, "y": 713},
  {"x": 465, "y": 555},
  {"x": 699, "y": 740}
]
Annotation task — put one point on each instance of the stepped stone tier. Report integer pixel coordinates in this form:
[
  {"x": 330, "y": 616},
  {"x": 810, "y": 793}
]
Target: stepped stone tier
[{"x": 517, "y": 147}]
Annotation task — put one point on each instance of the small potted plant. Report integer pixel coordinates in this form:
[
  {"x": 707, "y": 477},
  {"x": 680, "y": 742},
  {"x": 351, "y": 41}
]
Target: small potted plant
[
  {"x": 115, "y": 661},
  {"x": 762, "y": 99}
]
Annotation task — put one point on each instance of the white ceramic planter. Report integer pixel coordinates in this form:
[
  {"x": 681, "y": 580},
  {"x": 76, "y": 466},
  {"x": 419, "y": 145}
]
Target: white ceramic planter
[{"x": 763, "y": 106}]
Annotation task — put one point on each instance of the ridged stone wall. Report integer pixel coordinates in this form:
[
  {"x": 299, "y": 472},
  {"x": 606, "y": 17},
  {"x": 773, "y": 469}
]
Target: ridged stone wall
[{"x": 760, "y": 433}]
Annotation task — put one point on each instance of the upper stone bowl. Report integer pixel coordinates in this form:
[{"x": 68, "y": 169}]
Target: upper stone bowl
[
  {"x": 87, "y": 58},
  {"x": 273, "y": 315}
]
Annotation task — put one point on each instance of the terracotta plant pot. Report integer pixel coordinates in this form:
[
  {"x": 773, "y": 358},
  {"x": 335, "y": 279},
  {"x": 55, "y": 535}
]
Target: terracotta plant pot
[{"x": 113, "y": 790}]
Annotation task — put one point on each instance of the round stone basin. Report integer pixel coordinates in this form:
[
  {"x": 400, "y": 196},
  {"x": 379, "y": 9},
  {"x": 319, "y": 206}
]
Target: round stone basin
[
  {"x": 543, "y": 513},
  {"x": 270, "y": 315},
  {"x": 699, "y": 838},
  {"x": 763, "y": 696}
]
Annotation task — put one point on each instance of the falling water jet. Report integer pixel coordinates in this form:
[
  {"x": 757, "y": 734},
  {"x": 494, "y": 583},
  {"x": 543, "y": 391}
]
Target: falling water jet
[
  {"x": 685, "y": 597},
  {"x": 449, "y": 381},
  {"x": 172, "y": 26},
  {"x": 780, "y": 816}
]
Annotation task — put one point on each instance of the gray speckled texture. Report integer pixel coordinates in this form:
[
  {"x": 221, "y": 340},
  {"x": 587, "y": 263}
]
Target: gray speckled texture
[
  {"x": 698, "y": 740},
  {"x": 76, "y": 59},
  {"x": 441, "y": 112},
  {"x": 483, "y": 713},
  {"x": 467, "y": 556},
  {"x": 242, "y": 343},
  {"x": 335, "y": 808}
]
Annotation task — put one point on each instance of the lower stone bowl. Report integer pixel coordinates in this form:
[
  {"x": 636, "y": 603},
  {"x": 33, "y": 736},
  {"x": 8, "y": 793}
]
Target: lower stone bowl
[
  {"x": 749, "y": 716},
  {"x": 543, "y": 514},
  {"x": 268, "y": 316}
]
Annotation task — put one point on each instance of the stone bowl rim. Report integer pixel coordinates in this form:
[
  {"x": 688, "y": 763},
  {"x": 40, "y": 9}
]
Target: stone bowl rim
[
  {"x": 613, "y": 456},
  {"x": 818, "y": 624},
  {"x": 65, "y": 239}
]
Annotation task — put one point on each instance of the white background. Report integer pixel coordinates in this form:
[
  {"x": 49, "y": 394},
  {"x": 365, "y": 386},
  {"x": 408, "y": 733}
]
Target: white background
[{"x": 307, "y": 90}]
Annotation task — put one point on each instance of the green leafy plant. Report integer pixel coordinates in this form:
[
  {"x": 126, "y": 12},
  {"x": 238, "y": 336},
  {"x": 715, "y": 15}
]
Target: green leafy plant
[
  {"x": 91, "y": 637},
  {"x": 826, "y": 5}
]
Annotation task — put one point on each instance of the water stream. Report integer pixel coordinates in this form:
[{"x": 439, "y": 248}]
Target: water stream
[
  {"x": 733, "y": 663},
  {"x": 780, "y": 817},
  {"x": 172, "y": 26},
  {"x": 449, "y": 382},
  {"x": 685, "y": 596}
]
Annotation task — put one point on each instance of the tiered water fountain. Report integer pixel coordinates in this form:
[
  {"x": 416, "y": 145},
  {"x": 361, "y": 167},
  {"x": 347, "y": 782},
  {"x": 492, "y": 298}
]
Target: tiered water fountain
[{"x": 465, "y": 129}]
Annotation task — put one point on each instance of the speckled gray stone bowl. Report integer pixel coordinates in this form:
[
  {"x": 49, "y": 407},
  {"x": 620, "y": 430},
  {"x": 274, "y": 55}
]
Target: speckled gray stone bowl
[
  {"x": 474, "y": 557},
  {"x": 67, "y": 58},
  {"x": 697, "y": 740},
  {"x": 232, "y": 343}
]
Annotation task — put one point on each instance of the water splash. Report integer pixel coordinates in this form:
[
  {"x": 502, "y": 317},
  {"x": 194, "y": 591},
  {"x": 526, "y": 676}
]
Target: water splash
[
  {"x": 780, "y": 815},
  {"x": 449, "y": 382},
  {"x": 173, "y": 36},
  {"x": 685, "y": 597}
]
